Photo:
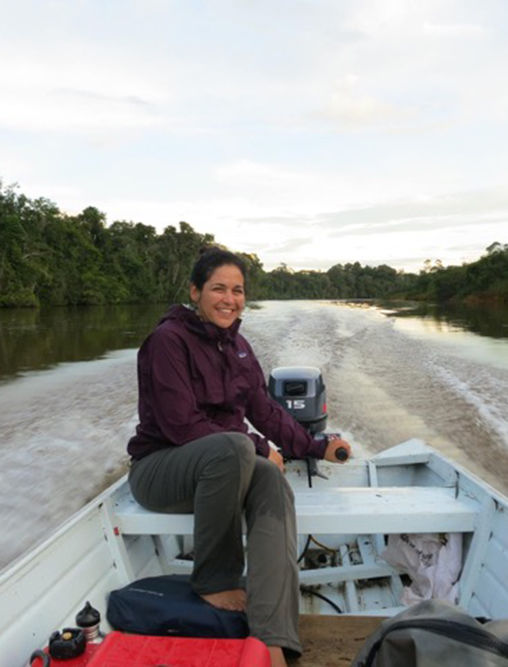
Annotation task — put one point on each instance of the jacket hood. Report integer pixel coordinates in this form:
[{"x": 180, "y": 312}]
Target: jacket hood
[{"x": 193, "y": 323}]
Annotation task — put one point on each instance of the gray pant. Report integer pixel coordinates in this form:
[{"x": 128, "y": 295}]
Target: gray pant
[{"x": 219, "y": 477}]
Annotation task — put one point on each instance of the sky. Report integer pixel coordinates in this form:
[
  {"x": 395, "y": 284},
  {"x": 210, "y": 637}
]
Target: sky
[{"x": 309, "y": 132}]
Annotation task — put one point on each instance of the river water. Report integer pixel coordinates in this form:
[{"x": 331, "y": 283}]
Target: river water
[{"x": 68, "y": 393}]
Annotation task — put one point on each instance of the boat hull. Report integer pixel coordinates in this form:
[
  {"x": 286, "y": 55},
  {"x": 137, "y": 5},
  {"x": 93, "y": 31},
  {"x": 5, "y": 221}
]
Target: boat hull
[{"x": 407, "y": 489}]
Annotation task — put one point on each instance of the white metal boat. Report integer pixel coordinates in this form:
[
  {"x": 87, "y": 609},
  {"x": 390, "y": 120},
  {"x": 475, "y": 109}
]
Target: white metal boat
[{"x": 407, "y": 489}]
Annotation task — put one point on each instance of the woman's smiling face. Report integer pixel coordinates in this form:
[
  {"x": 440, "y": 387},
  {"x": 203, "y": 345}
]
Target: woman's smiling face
[{"x": 222, "y": 298}]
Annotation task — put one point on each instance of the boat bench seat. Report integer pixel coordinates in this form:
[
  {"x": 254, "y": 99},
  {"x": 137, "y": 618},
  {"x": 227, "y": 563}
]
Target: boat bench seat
[{"x": 351, "y": 510}]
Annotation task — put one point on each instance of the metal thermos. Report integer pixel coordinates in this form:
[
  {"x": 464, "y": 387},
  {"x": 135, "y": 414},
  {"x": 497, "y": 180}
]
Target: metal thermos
[{"x": 88, "y": 619}]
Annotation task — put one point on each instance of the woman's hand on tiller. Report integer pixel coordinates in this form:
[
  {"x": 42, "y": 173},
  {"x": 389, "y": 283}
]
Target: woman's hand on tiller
[{"x": 334, "y": 442}]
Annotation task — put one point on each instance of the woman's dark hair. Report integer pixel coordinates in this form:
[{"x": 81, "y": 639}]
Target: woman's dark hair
[{"x": 212, "y": 258}]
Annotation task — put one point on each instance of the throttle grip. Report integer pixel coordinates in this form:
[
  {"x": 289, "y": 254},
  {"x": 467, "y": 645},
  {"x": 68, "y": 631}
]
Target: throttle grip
[{"x": 341, "y": 454}]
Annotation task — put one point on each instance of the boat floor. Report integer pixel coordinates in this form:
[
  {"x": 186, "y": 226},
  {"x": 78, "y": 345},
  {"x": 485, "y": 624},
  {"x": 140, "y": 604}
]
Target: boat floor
[{"x": 333, "y": 641}]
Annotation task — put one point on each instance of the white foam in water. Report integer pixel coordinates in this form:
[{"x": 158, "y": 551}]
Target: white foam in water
[
  {"x": 481, "y": 391},
  {"x": 64, "y": 431}
]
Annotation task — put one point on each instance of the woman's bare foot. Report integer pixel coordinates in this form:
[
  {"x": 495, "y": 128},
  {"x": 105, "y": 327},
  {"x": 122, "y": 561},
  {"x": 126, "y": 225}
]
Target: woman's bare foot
[
  {"x": 277, "y": 656},
  {"x": 234, "y": 600}
]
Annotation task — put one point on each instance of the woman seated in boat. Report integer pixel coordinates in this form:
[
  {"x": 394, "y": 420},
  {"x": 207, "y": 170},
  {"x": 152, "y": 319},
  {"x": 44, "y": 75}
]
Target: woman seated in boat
[{"x": 199, "y": 380}]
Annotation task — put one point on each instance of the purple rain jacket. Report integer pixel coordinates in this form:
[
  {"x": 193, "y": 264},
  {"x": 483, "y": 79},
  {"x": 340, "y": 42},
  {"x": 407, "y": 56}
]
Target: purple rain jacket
[{"x": 196, "y": 379}]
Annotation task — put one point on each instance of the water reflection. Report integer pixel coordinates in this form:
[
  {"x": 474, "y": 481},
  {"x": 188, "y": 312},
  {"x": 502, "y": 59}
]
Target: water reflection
[
  {"x": 37, "y": 339},
  {"x": 486, "y": 320}
]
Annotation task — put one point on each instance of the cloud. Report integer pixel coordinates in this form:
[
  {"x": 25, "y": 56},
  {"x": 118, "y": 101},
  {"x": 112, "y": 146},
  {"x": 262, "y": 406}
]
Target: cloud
[
  {"x": 351, "y": 106},
  {"x": 289, "y": 245},
  {"x": 276, "y": 190},
  {"x": 85, "y": 95},
  {"x": 454, "y": 228},
  {"x": 52, "y": 93},
  {"x": 437, "y": 213},
  {"x": 283, "y": 221},
  {"x": 487, "y": 203},
  {"x": 249, "y": 173},
  {"x": 72, "y": 112},
  {"x": 453, "y": 30}
]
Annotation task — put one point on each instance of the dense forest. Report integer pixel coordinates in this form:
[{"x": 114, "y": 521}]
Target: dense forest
[{"x": 50, "y": 258}]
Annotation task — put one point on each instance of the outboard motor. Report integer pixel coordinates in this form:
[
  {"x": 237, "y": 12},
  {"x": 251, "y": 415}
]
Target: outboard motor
[{"x": 301, "y": 391}]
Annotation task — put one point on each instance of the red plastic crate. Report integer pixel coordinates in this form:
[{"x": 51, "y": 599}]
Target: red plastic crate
[{"x": 122, "y": 650}]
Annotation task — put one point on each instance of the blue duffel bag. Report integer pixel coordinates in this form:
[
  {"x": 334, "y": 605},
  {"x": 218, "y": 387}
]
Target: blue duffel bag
[{"x": 167, "y": 605}]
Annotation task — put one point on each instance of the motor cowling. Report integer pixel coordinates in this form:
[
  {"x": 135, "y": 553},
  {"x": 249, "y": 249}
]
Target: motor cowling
[{"x": 301, "y": 391}]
